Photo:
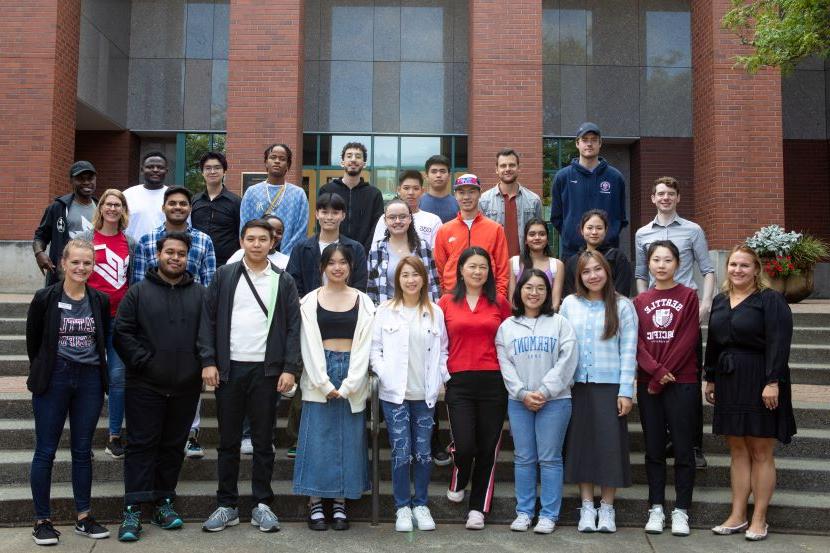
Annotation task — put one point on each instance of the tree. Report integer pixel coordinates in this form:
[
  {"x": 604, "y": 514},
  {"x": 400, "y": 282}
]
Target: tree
[{"x": 780, "y": 32}]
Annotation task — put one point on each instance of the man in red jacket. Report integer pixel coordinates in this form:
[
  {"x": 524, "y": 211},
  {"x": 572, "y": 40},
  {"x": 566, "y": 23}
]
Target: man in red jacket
[{"x": 470, "y": 228}]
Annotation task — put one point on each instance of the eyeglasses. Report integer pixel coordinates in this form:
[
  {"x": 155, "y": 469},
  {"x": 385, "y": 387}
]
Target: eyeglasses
[
  {"x": 113, "y": 205},
  {"x": 212, "y": 168},
  {"x": 397, "y": 218}
]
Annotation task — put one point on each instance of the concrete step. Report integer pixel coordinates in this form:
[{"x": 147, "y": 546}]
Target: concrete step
[
  {"x": 808, "y": 475},
  {"x": 14, "y": 309},
  {"x": 16, "y": 434},
  {"x": 12, "y": 344},
  {"x": 810, "y": 373},
  {"x": 14, "y": 365},
  {"x": 790, "y": 511},
  {"x": 12, "y": 325}
]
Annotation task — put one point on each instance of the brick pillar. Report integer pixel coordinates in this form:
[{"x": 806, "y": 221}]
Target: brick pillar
[
  {"x": 265, "y": 85},
  {"x": 38, "y": 87},
  {"x": 114, "y": 155},
  {"x": 739, "y": 168},
  {"x": 652, "y": 158},
  {"x": 506, "y": 87}
]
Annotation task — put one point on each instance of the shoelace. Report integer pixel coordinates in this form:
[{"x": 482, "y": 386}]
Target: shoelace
[
  {"x": 316, "y": 511},
  {"x": 47, "y": 525},
  {"x": 222, "y": 513},
  {"x": 338, "y": 510},
  {"x": 166, "y": 509},
  {"x": 131, "y": 518},
  {"x": 266, "y": 514}
]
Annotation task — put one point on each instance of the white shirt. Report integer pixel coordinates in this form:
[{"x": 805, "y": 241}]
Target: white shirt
[
  {"x": 415, "y": 374},
  {"x": 277, "y": 258},
  {"x": 426, "y": 225},
  {"x": 249, "y": 325},
  {"x": 145, "y": 210}
]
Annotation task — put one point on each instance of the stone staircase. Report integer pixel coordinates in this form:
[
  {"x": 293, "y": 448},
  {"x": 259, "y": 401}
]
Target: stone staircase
[{"x": 801, "y": 502}]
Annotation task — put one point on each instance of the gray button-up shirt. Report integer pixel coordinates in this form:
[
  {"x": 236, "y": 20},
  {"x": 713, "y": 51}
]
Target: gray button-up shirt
[
  {"x": 690, "y": 241},
  {"x": 528, "y": 206}
]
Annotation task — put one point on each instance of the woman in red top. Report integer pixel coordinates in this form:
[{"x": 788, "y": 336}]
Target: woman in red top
[
  {"x": 114, "y": 251},
  {"x": 476, "y": 398},
  {"x": 667, "y": 388}
]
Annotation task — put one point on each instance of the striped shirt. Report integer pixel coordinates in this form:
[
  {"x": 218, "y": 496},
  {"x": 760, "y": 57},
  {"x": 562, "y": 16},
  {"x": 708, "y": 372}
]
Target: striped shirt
[
  {"x": 201, "y": 259},
  {"x": 612, "y": 361}
]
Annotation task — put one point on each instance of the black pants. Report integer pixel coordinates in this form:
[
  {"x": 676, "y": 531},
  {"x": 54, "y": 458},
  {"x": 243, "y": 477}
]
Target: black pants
[
  {"x": 156, "y": 429},
  {"x": 698, "y": 435},
  {"x": 673, "y": 407},
  {"x": 295, "y": 411},
  {"x": 477, "y": 404},
  {"x": 247, "y": 392}
]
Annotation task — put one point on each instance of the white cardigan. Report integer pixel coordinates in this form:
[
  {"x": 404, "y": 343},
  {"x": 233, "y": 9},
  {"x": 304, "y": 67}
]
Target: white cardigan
[
  {"x": 390, "y": 353},
  {"x": 315, "y": 382}
]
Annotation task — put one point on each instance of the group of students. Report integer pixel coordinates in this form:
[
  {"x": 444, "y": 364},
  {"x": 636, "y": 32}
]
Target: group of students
[{"x": 433, "y": 301}]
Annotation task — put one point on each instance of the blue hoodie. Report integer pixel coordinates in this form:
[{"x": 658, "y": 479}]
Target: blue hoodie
[{"x": 575, "y": 191}]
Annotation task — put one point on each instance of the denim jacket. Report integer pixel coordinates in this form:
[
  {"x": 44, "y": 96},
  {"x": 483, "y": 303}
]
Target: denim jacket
[{"x": 528, "y": 205}]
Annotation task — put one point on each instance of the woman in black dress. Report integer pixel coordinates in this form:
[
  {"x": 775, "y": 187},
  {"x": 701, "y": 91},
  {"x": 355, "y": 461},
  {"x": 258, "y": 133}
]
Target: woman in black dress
[{"x": 748, "y": 382}]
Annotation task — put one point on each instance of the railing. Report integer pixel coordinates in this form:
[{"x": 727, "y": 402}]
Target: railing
[{"x": 374, "y": 429}]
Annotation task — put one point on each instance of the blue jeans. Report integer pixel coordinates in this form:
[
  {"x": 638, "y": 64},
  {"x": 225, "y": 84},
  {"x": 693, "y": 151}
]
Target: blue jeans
[
  {"x": 537, "y": 440},
  {"x": 410, "y": 436},
  {"x": 115, "y": 401},
  {"x": 75, "y": 390}
]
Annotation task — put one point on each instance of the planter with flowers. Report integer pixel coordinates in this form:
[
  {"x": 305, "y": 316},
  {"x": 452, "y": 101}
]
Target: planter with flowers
[{"x": 789, "y": 259}]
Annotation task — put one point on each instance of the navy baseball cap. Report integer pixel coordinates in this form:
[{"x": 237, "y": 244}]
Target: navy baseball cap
[
  {"x": 587, "y": 127},
  {"x": 81, "y": 167}
]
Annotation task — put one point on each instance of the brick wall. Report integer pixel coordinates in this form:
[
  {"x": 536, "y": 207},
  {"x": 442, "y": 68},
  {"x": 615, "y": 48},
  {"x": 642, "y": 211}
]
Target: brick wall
[
  {"x": 807, "y": 186},
  {"x": 652, "y": 158},
  {"x": 38, "y": 87},
  {"x": 505, "y": 98},
  {"x": 265, "y": 84},
  {"x": 738, "y": 154},
  {"x": 114, "y": 155}
]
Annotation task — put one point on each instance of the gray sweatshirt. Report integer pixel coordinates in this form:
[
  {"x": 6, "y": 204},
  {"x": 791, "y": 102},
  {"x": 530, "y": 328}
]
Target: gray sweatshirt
[{"x": 537, "y": 355}]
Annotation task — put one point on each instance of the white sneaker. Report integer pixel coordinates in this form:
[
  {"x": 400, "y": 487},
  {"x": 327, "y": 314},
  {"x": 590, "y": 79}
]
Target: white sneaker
[
  {"x": 607, "y": 519},
  {"x": 475, "y": 520},
  {"x": 521, "y": 524},
  {"x": 246, "y": 447},
  {"x": 656, "y": 520},
  {"x": 544, "y": 525},
  {"x": 403, "y": 520},
  {"x": 455, "y": 497},
  {"x": 679, "y": 523},
  {"x": 423, "y": 518},
  {"x": 587, "y": 519}
]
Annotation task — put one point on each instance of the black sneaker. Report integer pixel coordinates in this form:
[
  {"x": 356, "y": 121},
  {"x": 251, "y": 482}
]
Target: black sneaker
[
  {"x": 441, "y": 458},
  {"x": 193, "y": 450},
  {"x": 700, "y": 459},
  {"x": 90, "y": 528},
  {"x": 166, "y": 517},
  {"x": 45, "y": 534},
  {"x": 130, "y": 529},
  {"x": 115, "y": 448}
]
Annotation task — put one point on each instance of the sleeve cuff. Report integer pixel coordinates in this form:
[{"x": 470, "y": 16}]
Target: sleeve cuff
[{"x": 327, "y": 388}]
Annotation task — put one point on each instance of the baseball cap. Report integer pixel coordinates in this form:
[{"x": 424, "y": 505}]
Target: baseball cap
[
  {"x": 587, "y": 127},
  {"x": 81, "y": 167},
  {"x": 467, "y": 179}
]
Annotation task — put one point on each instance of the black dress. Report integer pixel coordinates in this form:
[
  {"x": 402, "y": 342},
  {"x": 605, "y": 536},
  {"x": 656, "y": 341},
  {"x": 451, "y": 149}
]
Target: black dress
[{"x": 747, "y": 347}]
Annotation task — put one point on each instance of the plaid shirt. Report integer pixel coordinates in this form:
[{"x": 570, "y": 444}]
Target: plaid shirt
[
  {"x": 378, "y": 288},
  {"x": 201, "y": 259},
  {"x": 612, "y": 361}
]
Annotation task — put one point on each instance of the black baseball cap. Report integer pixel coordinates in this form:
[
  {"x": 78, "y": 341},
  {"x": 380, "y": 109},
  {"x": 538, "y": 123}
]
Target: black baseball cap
[
  {"x": 178, "y": 190},
  {"x": 81, "y": 167},
  {"x": 587, "y": 127}
]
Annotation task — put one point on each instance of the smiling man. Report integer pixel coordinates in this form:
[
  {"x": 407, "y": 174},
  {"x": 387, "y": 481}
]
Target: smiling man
[
  {"x": 509, "y": 203},
  {"x": 67, "y": 217},
  {"x": 144, "y": 200}
]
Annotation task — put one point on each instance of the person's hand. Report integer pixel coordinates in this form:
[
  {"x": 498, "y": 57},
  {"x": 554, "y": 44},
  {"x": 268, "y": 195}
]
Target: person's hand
[
  {"x": 334, "y": 394},
  {"x": 210, "y": 376},
  {"x": 44, "y": 263},
  {"x": 703, "y": 312},
  {"x": 770, "y": 396},
  {"x": 623, "y": 406},
  {"x": 534, "y": 401},
  {"x": 709, "y": 393},
  {"x": 669, "y": 377},
  {"x": 285, "y": 383}
]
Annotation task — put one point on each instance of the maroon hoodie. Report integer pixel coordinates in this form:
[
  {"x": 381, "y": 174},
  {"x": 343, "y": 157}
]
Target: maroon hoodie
[{"x": 668, "y": 331}]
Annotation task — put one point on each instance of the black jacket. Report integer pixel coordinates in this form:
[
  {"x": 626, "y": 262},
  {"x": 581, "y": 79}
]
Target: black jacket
[
  {"x": 42, "y": 324},
  {"x": 621, "y": 270},
  {"x": 282, "y": 350},
  {"x": 304, "y": 264},
  {"x": 364, "y": 206},
  {"x": 53, "y": 231},
  {"x": 156, "y": 331}
]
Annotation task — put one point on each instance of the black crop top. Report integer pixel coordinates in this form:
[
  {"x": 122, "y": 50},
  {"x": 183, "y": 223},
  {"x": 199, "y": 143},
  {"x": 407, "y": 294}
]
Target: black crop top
[{"x": 337, "y": 324}]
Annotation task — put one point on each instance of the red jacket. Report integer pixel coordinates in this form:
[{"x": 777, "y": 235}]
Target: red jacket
[{"x": 453, "y": 237}]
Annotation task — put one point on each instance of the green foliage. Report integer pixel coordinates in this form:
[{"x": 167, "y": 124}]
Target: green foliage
[
  {"x": 808, "y": 251},
  {"x": 195, "y": 146},
  {"x": 780, "y": 32}
]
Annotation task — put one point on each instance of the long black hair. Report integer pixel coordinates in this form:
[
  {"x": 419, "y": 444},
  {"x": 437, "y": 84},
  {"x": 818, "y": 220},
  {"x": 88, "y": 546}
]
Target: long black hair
[
  {"x": 489, "y": 288},
  {"x": 547, "y": 306},
  {"x": 525, "y": 259},
  {"x": 412, "y": 239}
]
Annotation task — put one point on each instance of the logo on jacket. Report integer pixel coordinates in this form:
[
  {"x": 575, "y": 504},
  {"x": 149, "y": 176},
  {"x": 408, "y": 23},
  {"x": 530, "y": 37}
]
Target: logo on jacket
[
  {"x": 605, "y": 187},
  {"x": 662, "y": 318},
  {"x": 61, "y": 224}
]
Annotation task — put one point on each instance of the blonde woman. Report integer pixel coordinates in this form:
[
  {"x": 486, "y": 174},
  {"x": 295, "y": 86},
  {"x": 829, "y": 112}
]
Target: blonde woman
[
  {"x": 114, "y": 251},
  {"x": 748, "y": 382}
]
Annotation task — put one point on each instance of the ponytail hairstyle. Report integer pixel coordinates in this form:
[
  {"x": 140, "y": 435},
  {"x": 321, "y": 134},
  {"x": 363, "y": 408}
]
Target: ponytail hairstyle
[{"x": 609, "y": 295}]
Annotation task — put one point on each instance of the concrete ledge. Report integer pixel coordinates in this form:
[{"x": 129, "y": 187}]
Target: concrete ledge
[{"x": 18, "y": 271}]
